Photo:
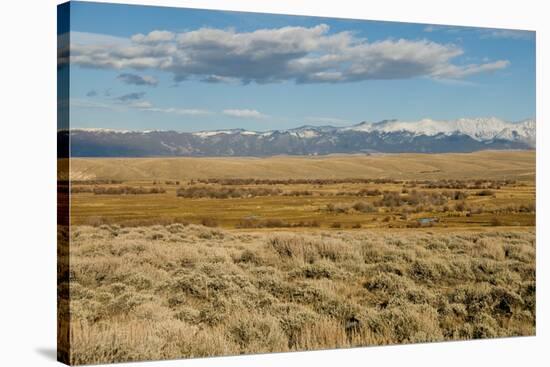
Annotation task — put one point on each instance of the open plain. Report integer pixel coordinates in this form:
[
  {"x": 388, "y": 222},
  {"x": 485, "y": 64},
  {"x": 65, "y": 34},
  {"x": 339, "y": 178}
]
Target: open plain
[{"x": 188, "y": 257}]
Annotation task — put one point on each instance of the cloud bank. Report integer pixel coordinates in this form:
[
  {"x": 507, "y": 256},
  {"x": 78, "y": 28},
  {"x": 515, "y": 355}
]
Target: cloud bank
[
  {"x": 299, "y": 54},
  {"x": 250, "y": 114}
]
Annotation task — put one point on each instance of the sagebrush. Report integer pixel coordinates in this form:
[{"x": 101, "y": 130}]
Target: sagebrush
[{"x": 181, "y": 290}]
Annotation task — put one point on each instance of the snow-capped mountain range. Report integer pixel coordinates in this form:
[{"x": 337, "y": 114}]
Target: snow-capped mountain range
[
  {"x": 477, "y": 128},
  {"x": 388, "y": 136}
]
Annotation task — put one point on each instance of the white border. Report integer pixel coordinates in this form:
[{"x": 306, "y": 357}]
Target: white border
[{"x": 28, "y": 153}]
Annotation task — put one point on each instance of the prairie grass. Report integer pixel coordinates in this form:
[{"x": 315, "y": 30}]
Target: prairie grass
[
  {"x": 184, "y": 290},
  {"x": 325, "y": 203}
]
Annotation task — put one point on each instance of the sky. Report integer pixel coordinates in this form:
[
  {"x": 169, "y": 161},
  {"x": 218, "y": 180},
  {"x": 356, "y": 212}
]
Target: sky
[{"x": 159, "y": 68}]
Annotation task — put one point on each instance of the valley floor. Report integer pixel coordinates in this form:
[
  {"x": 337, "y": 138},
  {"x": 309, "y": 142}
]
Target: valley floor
[{"x": 487, "y": 165}]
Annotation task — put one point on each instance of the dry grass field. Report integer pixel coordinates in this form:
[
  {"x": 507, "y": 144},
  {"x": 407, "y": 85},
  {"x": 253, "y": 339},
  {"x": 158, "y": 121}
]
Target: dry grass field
[
  {"x": 485, "y": 165},
  {"x": 190, "y": 257},
  {"x": 447, "y": 190},
  {"x": 191, "y": 291}
]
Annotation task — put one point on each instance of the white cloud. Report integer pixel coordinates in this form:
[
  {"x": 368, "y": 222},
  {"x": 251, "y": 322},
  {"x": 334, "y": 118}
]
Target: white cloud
[
  {"x": 456, "y": 72},
  {"x": 134, "y": 101},
  {"x": 147, "y": 106},
  {"x": 153, "y": 37},
  {"x": 300, "y": 54},
  {"x": 251, "y": 114},
  {"x": 219, "y": 79},
  {"x": 179, "y": 111}
]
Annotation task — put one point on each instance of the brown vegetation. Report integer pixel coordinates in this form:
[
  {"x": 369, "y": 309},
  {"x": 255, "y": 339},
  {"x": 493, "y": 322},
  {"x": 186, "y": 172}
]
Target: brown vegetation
[
  {"x": 189, "y": 291},
  {"x": 486, "y": 165},
  {"x": 117, "y": 190},
  {"x": 313, "y": 181},
  {"x": 224, "y": 192},
  {"x": 96, "y": 182},
  {"x": 127, "y": 190},
  {"x": 301, "y": 255},
  {"x": 290, "y": 203},
  {"x": 252, "y": 222}
]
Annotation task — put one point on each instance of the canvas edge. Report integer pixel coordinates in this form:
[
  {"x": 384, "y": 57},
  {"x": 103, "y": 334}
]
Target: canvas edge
[{"x": 63, "y": 184}]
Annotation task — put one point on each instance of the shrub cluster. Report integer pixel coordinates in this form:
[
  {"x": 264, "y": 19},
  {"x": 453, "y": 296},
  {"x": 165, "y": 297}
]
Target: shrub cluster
[
  {"x": 274, "y": 223},
  {"x": 96, "y": 182},
  {"x": 485, "y": 192},
  {"x": 225, "y": 192},
  {"x": 81, "y": 189},
  {"x": 187, "y": 291},
  {"x": 468, "y": 184},
  {"x": 413, "y": 198},
  {"x": 127, "y": 190},
  {"x": 298, "y": 181},
  {"x": 362, "y": 192},
  {"x": 298, "y": 193}
]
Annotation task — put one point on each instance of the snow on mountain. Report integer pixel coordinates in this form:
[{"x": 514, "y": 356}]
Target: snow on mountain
[
  {"x": 100, "y": 130},
  {"x": 388, "y": 136},
  {"x": 480, "y": 129},
  {"x": 524, "y": 131},
  {"x": 206, "y": 134},
  {"x": 309, "y": 131},
  {"x": 305, "y": 132}
]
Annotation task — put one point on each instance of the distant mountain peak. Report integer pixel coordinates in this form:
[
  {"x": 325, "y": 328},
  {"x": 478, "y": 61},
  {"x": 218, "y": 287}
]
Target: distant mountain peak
[
  {"x": 425, "y": 135},
  {"x": 477, "y": 128}
]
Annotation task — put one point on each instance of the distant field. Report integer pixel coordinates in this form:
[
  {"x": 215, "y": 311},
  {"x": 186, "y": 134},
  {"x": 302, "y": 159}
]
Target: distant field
[
  {"x": 519, "y": 165},
  {"x": 395, "y": 191},
  {"x": 325, "y": 206}
]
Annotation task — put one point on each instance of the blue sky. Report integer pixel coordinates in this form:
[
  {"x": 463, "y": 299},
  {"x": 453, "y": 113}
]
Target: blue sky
[{"x": 145, "y": 68}]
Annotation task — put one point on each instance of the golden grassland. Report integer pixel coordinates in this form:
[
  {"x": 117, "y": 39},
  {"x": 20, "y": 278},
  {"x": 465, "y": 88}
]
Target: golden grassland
[
  {"x": 326, "y": 205},
  {"x": 402, "y": 173},
  {"x": 174, "y": 291},
  {"x": 484, "y": 165},
  {"x": 192, "y": 257}
]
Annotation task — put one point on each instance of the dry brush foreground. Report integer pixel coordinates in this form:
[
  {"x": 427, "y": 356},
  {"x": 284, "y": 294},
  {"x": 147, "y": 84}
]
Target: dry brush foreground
[{"x": 177, "y": 291}]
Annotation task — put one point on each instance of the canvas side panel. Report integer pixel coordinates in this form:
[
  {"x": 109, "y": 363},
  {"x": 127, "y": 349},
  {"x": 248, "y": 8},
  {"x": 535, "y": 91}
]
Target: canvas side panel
[{"x": 63, "y": 184}]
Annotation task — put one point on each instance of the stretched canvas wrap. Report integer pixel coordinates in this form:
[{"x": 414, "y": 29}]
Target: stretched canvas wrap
[{"x": 239, "y": 183}]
